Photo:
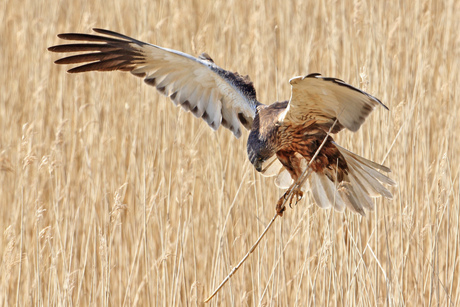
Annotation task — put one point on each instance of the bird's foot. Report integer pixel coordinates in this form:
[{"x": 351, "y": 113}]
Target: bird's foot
[
  {"x": 296, "y": 195},
  {"x": 280, "y": 207}
]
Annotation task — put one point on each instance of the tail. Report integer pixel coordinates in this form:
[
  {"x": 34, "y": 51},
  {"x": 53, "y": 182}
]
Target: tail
[{"x": 359, "y": 186}]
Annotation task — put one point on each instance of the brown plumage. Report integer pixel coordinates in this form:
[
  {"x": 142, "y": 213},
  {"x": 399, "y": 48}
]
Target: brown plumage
[{"x": 283, "y": 137}]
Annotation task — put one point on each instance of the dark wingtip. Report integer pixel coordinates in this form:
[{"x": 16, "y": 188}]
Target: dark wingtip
[
  {"x": 377, "y": 100},
  {"x": 103, "y": 31},
  {"x": 74, "y": 70},
  {"x": 384, "y": 105},
  {"x": 63, "y": 35},
  {"x": 313, "y": 75}
]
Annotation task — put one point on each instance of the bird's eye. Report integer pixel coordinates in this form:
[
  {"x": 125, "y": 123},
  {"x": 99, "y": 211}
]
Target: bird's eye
[{"x": 260, "y": 159}]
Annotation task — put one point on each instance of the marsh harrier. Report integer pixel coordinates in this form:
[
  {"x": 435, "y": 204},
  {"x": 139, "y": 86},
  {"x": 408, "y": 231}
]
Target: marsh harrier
[{"x": 283, "y": 136}]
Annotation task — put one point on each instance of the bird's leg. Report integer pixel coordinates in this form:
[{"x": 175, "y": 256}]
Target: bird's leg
[
  {"x": 292, "y": 163},
  {"x": 294, "y": 193},
  {"x": 297, "y": 194}
]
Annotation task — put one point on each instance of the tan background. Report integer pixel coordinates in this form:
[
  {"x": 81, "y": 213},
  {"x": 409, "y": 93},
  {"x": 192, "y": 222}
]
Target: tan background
[{"x": 112, "y": 196}]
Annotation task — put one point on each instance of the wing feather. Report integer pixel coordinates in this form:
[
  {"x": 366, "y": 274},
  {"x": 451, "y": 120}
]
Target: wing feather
[
  {"x": 197, "y": 84},
  {"x": 318, "y": 191},
  {"x": 327, "y": 99}
]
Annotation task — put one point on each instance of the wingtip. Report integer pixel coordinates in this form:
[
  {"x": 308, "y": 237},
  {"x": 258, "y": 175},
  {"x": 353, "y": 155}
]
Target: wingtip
[
  {"x": 101, "y": 31},
  {"x": 237, "y": 133},
  {"x": 313, "y": 75},
  {"x": 383, "y": 105}
]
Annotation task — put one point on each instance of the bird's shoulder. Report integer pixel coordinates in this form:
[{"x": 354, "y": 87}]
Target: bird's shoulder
[{"x": 266, "y": 120}]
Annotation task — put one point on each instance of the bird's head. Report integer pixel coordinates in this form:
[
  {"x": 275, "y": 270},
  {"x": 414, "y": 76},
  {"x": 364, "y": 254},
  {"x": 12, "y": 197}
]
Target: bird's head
[{"x": 259, "y": 150}]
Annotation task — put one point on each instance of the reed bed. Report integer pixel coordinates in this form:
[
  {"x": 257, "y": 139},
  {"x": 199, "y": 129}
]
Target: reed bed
[{"x": 111, "y": 196}]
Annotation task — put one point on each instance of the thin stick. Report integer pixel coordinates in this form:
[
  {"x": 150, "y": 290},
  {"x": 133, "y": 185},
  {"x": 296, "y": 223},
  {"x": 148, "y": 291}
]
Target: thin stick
[
  {"x": 295, "y": 185},
  {"x": 242, "y": 260}
]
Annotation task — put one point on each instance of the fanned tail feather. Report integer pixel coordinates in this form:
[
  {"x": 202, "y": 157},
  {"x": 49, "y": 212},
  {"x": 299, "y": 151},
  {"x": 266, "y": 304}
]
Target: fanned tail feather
[
  {"x": 325, "y": 192},
  {"x": 360, "y": 185}
]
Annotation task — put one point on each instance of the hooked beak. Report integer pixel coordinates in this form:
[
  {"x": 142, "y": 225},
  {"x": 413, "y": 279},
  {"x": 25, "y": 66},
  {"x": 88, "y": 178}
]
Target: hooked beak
[{"x": 258, "y": 166}]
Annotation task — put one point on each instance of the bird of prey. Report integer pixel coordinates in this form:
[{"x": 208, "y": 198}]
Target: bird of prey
[{"x": 283, "y": 136}]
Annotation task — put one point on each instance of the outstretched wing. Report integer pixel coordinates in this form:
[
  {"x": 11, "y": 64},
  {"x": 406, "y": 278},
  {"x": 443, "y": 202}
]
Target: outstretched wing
[
  {"x": 197, "y": 84},
  {"x": 325, "y": 99}
]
